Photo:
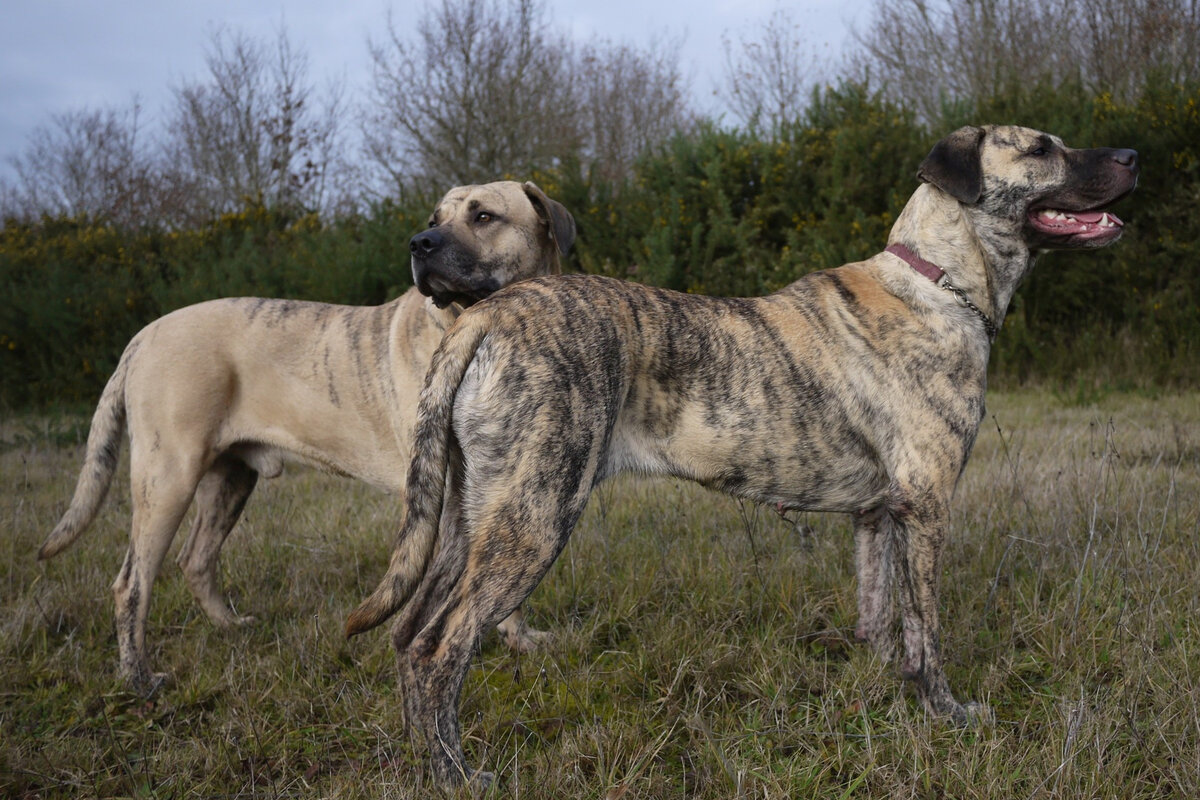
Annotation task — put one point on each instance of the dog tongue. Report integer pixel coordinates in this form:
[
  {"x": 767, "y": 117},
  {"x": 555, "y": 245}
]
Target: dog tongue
[{"x": 1087, "y": 217}]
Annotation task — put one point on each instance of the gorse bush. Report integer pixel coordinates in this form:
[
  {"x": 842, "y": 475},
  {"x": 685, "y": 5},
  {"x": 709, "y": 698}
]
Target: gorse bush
[
  {"x": 713, "y": 210},
  {"x": 725, "y": 212}
]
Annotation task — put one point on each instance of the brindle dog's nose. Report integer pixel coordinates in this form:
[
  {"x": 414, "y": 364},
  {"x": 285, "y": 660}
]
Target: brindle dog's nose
[
  {"x": 1126, "y": 158},
  {"x": 426, "y": 243}
]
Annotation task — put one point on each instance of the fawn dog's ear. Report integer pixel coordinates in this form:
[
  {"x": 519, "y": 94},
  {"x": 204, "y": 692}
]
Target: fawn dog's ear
[{"x": 559, "y": 222}]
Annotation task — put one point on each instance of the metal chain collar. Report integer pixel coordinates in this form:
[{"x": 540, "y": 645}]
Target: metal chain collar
[
  {"x": 941, "y": 279},
  {"x": 988, "y": 325}
]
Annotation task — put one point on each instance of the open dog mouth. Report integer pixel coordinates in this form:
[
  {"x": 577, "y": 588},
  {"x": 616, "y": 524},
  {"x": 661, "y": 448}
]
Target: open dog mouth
[{"x": 1083, "y": 226}]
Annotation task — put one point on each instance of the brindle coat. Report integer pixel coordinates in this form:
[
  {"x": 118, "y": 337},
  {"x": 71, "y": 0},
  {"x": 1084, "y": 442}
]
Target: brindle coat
[
  {"x": 858, "y": 389},
  {"x": 217, "y": 394}
]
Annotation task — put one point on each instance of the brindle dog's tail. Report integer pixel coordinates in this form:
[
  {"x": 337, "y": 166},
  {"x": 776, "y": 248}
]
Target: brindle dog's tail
[
  {"x": 99, "y": 461},
  {"x": 426, "y": 476}
]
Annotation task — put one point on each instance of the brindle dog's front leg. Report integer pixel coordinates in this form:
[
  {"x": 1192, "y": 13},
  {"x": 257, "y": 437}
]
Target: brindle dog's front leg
[
  {"x": 874, "y": 545},
  {"x": 922, "y": 517}
]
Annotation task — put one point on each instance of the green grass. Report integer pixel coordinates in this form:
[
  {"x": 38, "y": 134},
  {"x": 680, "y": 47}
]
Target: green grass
[{"x": 704, "y": 648}]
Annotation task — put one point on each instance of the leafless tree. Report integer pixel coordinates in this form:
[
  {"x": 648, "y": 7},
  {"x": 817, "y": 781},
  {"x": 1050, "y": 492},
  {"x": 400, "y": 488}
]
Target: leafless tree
[
  {"x": 253, "y": 130},
  {"x": 770, "y": 71},
  {"x": 479, "y": 89},
  {"x": 628, "y": 100},
  {"x": 1124, "y": 42},
  {"x": 930, "y": 52},
  {"x": 91, "y": 164}
]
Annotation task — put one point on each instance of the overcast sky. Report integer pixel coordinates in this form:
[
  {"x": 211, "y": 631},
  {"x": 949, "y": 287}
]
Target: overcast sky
[{"x": 57, "y": 55}]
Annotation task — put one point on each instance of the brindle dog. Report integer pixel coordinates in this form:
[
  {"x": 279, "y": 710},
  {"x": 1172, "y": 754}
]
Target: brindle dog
[
  {"x": 858, "y": 390},
  {"x": 217, "y": 394}
]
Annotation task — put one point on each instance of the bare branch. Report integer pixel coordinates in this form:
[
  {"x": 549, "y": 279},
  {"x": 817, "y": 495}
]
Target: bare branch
[
  {"x": 480, "y": 90},
  {"x": 769, "y": 72},
  {"x": 90, "y": 164},
  {"x": 252, "y": 131},
  {"x": 931, "y": 53}
]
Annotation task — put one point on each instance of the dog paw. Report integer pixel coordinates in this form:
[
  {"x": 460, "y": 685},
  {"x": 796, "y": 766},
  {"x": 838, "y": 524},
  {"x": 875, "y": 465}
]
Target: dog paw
[
  {"x": 474, "y": 782},
  {"x": 527, "y": 640},
  {"x": 978, "y": 715},
  {"x": 148, "y": 684},
  {"x": 480, "y": 781},
  {"x": 966, "y": 715},
  {"x": 226, "y": 619}
]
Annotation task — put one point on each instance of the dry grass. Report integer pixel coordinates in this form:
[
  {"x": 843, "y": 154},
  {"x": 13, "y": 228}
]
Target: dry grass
[{"x": 703, "y": 646}]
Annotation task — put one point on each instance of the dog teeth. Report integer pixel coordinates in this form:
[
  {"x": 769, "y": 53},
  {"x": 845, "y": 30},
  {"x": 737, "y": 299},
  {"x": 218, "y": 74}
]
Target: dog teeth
[{"x": 1054, "y": 215}]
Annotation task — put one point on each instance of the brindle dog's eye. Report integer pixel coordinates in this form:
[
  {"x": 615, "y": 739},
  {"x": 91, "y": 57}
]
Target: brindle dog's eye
[
  {"x": 433, "y": 223},
  {"x": 1038, "y": 151},
  {"x": 483, "y": 216}
]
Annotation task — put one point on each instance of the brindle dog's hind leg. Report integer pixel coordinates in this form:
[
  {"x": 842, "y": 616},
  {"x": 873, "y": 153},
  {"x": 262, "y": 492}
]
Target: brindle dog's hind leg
[
  {"x": 435, "y": 663},
  {"x": 488, "y": 561},
  {"x": 220, "y": 498}
]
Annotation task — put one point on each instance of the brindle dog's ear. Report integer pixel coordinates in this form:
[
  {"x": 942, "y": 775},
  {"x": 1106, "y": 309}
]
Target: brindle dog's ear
[
  {"x": 953, "y": 165},
  {"x": 555, "y": 215}
]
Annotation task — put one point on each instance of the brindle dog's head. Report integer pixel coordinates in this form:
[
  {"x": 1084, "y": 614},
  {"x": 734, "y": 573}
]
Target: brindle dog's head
[
  {"x": 482, "y": 238},
  {"x": 1056, "y": 194}
]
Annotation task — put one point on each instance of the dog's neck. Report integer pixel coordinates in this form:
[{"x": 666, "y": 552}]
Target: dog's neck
[
  {"x": 443, "y": 317},
  {"x": 973, "y": 247},
  {"x": 939, "y": 277}
]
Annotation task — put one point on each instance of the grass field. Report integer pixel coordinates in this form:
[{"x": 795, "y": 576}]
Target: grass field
[{"x": 703, "y": 647}]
